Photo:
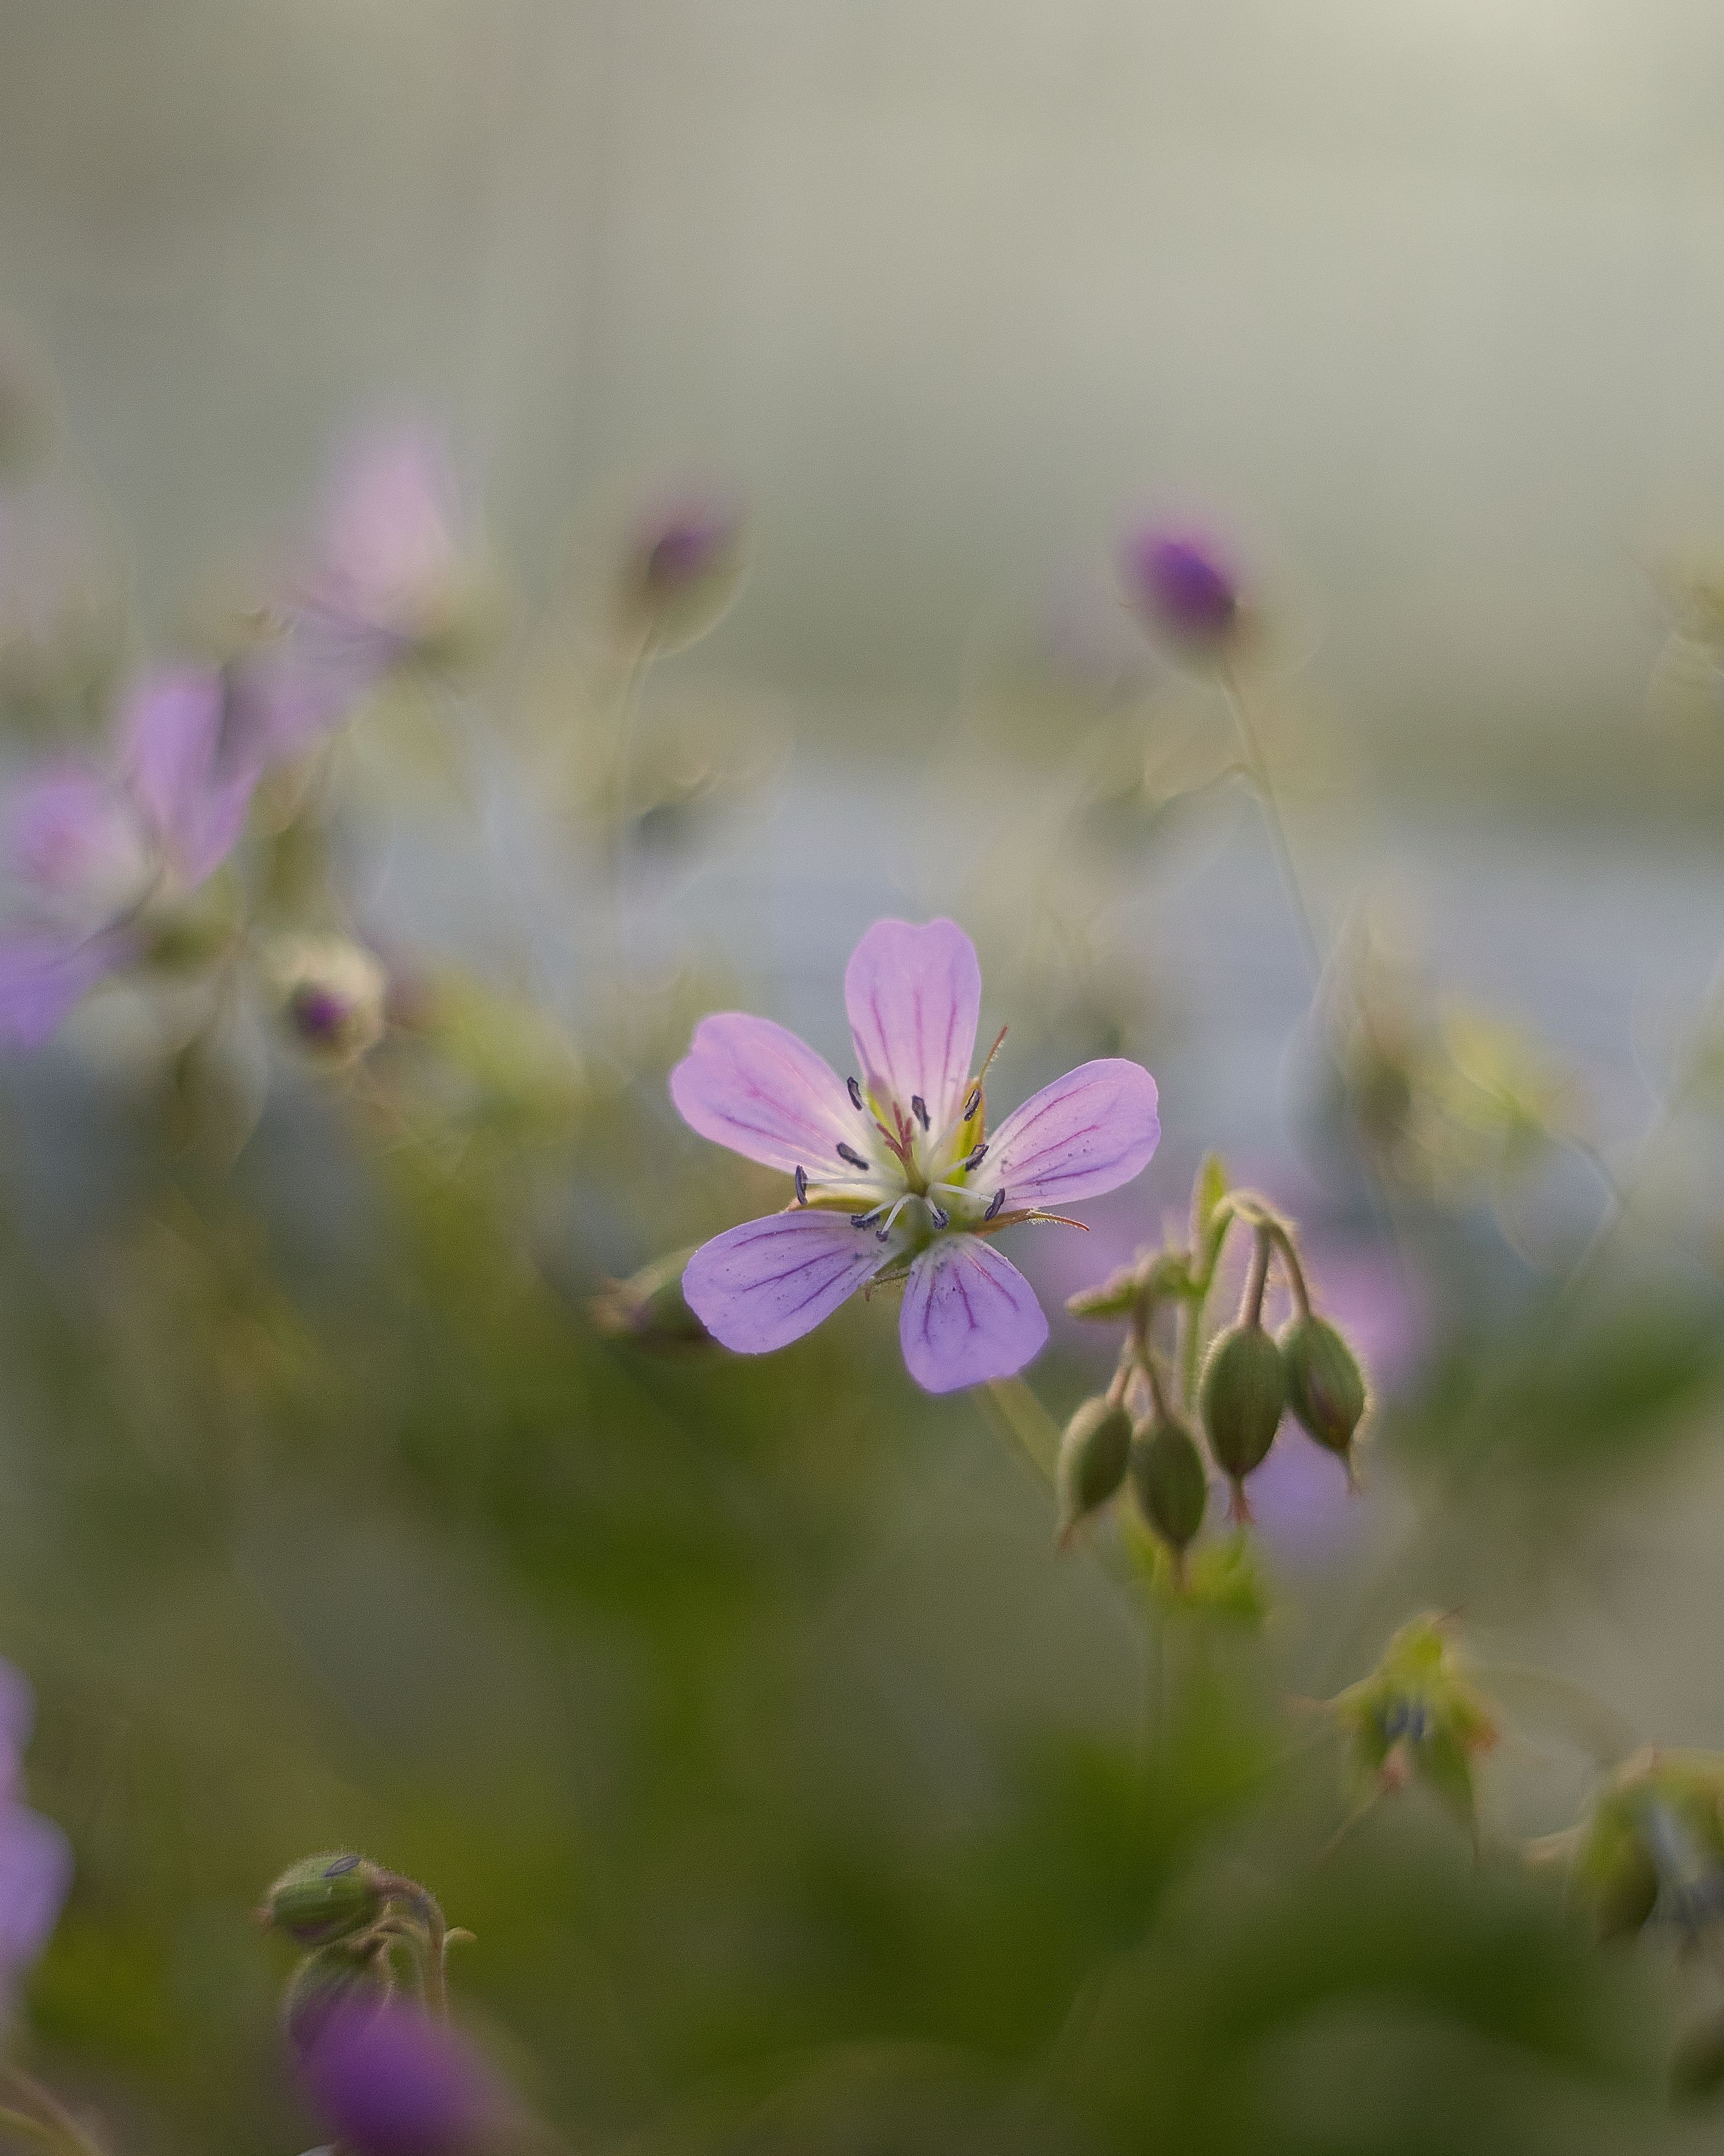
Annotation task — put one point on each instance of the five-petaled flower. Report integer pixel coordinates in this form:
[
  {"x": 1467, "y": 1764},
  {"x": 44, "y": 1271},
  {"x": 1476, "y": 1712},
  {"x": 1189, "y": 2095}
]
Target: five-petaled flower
[{"x": 896, "y": 1177}]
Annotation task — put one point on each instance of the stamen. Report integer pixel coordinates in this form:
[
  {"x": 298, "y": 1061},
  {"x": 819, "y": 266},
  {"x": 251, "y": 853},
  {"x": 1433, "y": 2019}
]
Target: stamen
[
  {"x": 999, "y": 1199},
  {"x": 802, "y": 1186},
  {"x": 855, "y": 1091},
  {"x": 862, "y": 1219},
  {"x": 919, "y": 1109},
  {"x": 972, "y": 1103},
  {"x": 885, "y": 1229},
  {"x": 940, "y": 1219},
  {"x": 979, "y": 1155},
  {"x": 849, "y": 1152}
]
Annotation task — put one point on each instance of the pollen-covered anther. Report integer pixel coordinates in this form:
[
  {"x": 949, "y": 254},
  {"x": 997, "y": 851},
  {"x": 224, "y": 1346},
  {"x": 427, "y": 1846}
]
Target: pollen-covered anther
[
  {"x": 919, "y": 1109},
  {"x": 802, "y": 1186},
  {"x": 977, "y": 1156},
  {"x": 972, "y": 1103},
  {"x": 855, "y": 1094},
  {"x": 849, "y": 1152},
  {"x": 999, "y": 1199}
]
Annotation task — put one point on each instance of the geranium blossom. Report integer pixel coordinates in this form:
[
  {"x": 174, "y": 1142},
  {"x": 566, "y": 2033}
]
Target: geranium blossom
[
  {"x": 85, "y": 847},
  {"x": 382, "y": 585},
  {"x": 895, "y": 1175}
]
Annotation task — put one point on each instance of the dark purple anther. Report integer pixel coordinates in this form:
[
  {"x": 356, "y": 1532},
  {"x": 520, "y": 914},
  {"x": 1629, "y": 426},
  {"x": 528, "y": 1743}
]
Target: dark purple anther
[
  {"x": 941, "y": 1218},
  {"x": 856, "y": 1095},
  {"x": 972, "y": 1104},
  {"x": 802, "y": 1186},
  {"x": 999, "y": 1199},
  {"x": 979, "y": 1155},
  {"x": 850, "y": 1153},
  {"x": 919, "y": 1109}
]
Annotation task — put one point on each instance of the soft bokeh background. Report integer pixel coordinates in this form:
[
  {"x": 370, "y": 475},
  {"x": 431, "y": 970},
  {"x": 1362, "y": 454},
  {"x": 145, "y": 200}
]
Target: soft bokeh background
[{"x": 796, "y": 1791}]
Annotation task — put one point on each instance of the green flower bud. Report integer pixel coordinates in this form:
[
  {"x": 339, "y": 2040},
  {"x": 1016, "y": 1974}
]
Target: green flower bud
[
  {"x": 1244, "y": 1391},
  {"x": 324, "y": 1898},
  {"x": 1092, "y": 1460},
  {"x": 1168, "y": 1475},
  {"x": 332, "y": 1980},
  {"x": 1325, "y": 1386}
]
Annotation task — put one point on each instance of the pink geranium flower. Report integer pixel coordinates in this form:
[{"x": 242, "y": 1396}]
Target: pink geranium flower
[
  {"x": 896, "y": 1177},
  {"x": 84, "y": 847}
]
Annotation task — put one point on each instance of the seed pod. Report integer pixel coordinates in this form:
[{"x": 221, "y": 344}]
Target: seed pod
[
  {"x": 1326, "y": 1388},
  {"x": 324, "y": 1898},
  {"x": 1168, "y": 1475},
  {"x": 333, "y": 1980},
  {"x": 1092, "y": 1460},
  {"x": 1244, "y": 1392}
]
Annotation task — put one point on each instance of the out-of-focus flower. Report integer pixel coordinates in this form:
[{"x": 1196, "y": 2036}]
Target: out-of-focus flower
[
  {"x": 896, "y": 1178},
  {"x": 86, "y": 848},
  {"x": 389, "y": 2081},
  {"x": 1651, "y": 1848},
  {"x": 681, "y": 569},
  {"x": 35, "y": 1856},
  {"x": 332, "y": 995},
  {"x": 386, "y": 585},
  {"x": 1417, "y": 1717},
  {"x": 1186, "y": 590}
]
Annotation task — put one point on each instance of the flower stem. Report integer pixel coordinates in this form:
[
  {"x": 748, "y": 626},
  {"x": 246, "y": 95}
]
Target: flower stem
[{"x": 1264, "y": 787}]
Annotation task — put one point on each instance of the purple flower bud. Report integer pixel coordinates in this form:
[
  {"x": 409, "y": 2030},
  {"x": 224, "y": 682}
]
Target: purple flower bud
[
  {"x": 389, "y": 2080},
  {"x": 682, "y": 569},
  {"x": 332, "y": 995},
  {"x": 1182, "y": 585}
]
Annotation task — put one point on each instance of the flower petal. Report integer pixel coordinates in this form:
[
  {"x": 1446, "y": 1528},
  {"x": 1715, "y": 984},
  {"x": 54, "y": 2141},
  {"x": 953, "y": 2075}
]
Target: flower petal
[
  {"x": 43, "y": 975},
  {"x": 35, "y": 1872},
  {"x": 1088, "y": 1132},
  {"x": 968, "y": 1315},
  {"x": 914, "y": 995},
  {"x": 172, "y": 754},
  {"x": 765, "y": 1284},
  {"x": 757, "y": 1088},
  {"x": 73, "y": 842}
]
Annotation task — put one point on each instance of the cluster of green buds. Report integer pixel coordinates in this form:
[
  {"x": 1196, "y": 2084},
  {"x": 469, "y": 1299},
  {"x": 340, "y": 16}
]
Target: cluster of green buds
[
  {"x": 1417, "y": 1717},
  {"x": 364, "y": 1930},
  {"x": 1239, "y": 1385}
]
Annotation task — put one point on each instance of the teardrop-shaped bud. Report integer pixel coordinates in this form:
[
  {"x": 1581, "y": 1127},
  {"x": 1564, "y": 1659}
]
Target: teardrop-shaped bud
[
  {"x": 1092, "y": 1460},
  {"x": 324, "y": 1898},
  {"x": 1325, "y": 1386},
  {"x": 1168, "y": 1477},
  {"x": 1244, "y": 1392}
]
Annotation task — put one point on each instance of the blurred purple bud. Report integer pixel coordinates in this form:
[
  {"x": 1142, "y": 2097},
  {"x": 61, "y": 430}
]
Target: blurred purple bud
[
  {"x": 332, "y": 995},
  {"x": 1182, "y": 585},
  {"x": 682, "y": 569},
  {"x": 389, "y": 2080}
]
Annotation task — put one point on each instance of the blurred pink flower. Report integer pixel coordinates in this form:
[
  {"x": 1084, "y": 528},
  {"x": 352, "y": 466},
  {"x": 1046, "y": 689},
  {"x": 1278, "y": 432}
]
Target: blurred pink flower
[
  {"x": 894, "y": 1173},
  {"x": 389, "y": 2081},
  {"x": 1182, "y": 585},
  {"x": 383, "y": 566},
  {"x": 86, "y": 846}
]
